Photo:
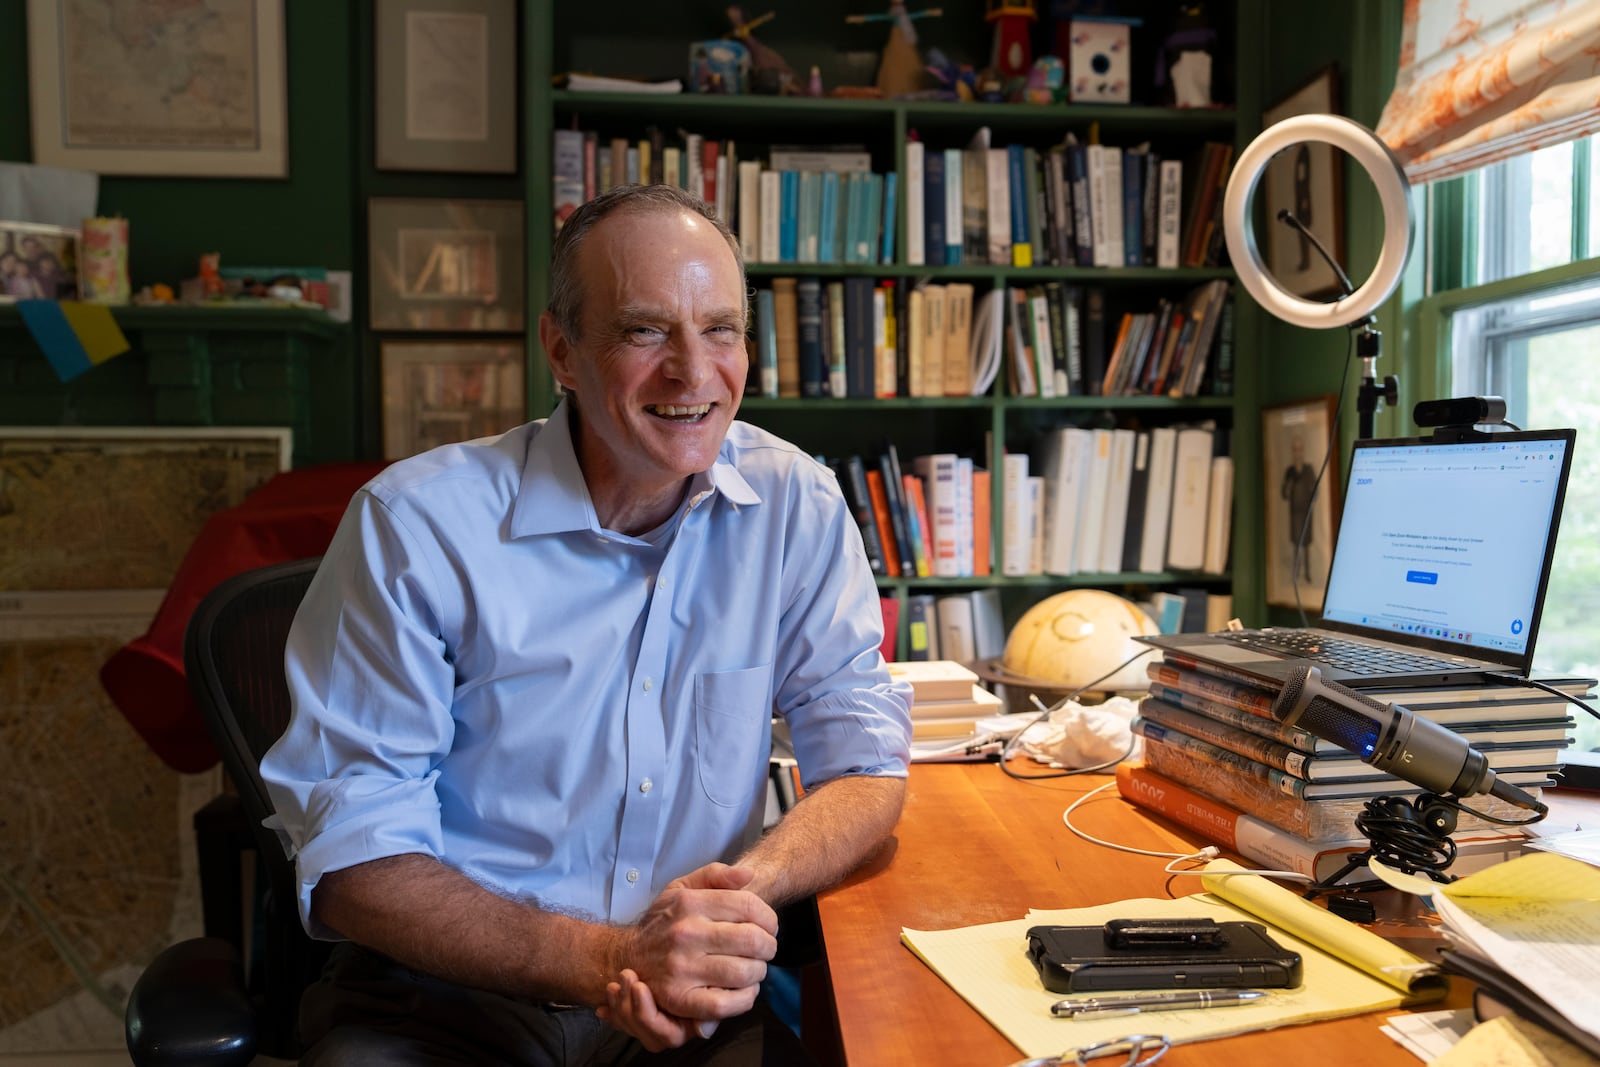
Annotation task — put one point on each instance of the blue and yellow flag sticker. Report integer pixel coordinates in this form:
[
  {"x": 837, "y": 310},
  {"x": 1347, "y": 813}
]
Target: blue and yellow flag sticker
[{"x": 73, "y": 335}]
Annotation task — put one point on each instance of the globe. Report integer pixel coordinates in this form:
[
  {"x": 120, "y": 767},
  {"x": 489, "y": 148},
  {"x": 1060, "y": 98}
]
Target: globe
[{"x": 1070, "y": 639}]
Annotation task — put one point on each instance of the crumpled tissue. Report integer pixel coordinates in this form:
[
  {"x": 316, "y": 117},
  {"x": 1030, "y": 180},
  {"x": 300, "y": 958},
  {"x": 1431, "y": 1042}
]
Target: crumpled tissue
[{"x": 1077, "y": 735}]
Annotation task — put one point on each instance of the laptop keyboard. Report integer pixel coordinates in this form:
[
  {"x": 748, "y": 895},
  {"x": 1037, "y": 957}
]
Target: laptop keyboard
[{"x": 1357, "y": 657}]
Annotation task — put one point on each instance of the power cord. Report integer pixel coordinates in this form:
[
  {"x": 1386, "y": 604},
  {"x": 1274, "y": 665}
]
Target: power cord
[{"x": 1044, "y": 713}]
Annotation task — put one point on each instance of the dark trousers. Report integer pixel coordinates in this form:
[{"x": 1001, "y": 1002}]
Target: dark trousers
[{"x": 368, "y": 1011}]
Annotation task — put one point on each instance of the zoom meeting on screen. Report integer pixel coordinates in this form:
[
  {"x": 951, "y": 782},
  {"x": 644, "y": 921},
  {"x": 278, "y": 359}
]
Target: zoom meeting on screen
[{"x": 1446, "y": 541}]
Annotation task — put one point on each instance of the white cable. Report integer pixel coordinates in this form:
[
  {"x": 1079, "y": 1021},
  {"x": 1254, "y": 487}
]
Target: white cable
[{"x": 1207, "y": 853}]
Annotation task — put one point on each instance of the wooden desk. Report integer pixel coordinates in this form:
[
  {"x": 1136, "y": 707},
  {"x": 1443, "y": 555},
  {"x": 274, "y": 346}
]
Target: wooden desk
[{"x": 975, "y": 846}]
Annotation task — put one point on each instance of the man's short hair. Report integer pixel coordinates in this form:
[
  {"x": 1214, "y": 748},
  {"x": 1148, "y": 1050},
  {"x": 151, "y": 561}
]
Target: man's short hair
[{"x": 566, "y": 288}]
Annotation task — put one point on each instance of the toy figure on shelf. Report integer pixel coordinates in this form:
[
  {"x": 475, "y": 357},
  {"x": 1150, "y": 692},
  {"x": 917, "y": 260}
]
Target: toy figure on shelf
[
  {"x": 959, "y": 80},
  {"x": 211, "y": 287},
  {"x": 1186, "y": 53},
  {"x": 769, "y": 73},
  {"x": 901, "y": 70},
  {"x": 1013, "y": 51}
]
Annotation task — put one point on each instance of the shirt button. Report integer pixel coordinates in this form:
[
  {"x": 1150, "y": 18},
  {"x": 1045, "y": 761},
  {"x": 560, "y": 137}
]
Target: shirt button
[
  {"x": 662, "y": 581},
  {"x": 646, "y": 785},
  {"x": 633, "y": 875},
  {"x": 648, "y": 685}
]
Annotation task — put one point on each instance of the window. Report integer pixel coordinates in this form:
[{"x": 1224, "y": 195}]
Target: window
[{"x": 1525, "y": 324}]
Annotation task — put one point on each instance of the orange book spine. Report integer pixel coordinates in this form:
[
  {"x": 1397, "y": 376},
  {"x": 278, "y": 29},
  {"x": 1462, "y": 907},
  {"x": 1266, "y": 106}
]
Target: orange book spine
[
  {"x": 1215, "y": 820},
  {"x": 982, "y": 516},
  {"x": 880, "y": 511}
]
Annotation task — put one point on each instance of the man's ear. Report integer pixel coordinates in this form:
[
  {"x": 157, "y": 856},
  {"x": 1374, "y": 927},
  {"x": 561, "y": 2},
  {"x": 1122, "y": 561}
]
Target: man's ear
[{"x": 557, "y": 351}]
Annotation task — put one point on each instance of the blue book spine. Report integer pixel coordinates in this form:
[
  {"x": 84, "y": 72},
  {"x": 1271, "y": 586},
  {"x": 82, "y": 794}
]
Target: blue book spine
[
  {"x": 767, "y": 341},
  {"x": 855, "y": 219},
  {"x": 933, "y": 209},
  {"x": 891, "y": 182},
  {"x": 826, "y": 251},
  {"x": 1019, "y": 194},
  {"x": 1132, "y": 208},
  {"x": 872, "y": 202},
  {"x": 808, "y": 312},
  {"x": 789, "y": 216}
]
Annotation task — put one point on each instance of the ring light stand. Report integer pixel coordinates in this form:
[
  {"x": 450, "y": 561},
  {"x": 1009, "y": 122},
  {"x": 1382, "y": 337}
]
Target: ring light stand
[{"x": 1355, "y": 308}]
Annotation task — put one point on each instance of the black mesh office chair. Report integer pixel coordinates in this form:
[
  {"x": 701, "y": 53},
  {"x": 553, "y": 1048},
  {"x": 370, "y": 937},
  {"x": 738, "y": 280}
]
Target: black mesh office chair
[{"x": 195, "y": 1004}]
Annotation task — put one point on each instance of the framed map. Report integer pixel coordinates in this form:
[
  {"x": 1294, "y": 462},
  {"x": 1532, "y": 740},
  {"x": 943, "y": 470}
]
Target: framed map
[{"x": 151, "y": 87}]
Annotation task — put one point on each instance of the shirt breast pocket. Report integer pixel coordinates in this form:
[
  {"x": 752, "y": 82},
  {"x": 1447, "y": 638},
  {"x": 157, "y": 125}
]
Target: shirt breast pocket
[{"x": 732, "y": 711}]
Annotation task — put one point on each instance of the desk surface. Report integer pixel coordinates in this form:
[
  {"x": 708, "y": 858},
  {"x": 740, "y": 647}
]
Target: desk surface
[{"x": 975, "y": 846}]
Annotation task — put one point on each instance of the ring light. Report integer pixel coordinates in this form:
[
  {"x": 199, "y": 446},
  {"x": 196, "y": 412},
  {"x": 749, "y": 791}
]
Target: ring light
[{"x": 1367, "y": 149}]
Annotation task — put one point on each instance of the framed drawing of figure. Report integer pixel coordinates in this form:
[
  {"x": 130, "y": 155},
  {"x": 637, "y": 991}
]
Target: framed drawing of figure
[
  {"x": 1305, "y": 179},
  {"x": 1301, "y": 475}
]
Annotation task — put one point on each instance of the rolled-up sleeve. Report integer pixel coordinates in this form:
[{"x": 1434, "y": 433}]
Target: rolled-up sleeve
[
  {"x": 371, "y": 683},
  {"x": 845, "y": 716}
]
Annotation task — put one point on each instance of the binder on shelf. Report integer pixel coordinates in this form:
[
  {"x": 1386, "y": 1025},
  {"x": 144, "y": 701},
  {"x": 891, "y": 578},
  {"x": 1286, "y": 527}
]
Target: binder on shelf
[
  {"x": 915, "y": 204},
  {"x": 1191, "y": 487}
]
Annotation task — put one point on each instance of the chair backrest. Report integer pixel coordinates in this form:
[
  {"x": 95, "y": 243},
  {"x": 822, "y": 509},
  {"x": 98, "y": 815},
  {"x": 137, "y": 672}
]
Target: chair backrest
[{"x": 233, "y": 657}]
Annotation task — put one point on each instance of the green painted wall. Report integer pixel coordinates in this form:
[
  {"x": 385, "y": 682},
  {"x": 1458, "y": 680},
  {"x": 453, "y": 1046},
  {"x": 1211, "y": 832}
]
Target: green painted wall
[{"x": 303, "y": 220}]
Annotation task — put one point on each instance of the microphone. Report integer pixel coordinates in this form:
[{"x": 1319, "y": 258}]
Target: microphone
[{"x": 1392, "y": 738}]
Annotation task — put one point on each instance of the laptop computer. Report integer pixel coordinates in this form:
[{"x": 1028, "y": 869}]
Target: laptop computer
[{"x": 1438, "y": 572}]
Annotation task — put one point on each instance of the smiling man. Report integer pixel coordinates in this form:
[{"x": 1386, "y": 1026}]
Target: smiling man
[{"x": 534, "y": 678}]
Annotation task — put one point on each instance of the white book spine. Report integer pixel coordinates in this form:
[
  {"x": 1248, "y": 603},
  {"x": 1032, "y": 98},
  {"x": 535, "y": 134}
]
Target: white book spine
[
  {"x": 694, "y": 177},
  {"x": 750, "y": 210},
  {"x": 1066, "y": 468},
  {"x": 964, "y": 518},
  {"x": 1094, "y": 499},
  {"x": 1016, "y": 518},
  {"x": 915, "y": 254},
  {"x": 1114, "y": 526},
  {"x": 1219, "y": 515},
  {"x": 771, "y": 207},
  {"x": 1191, "y": 484},
  {"x": 1158, "y": 500},
  {"x": 1036, "y": 535},
  {"x": 1167, "y": 214},
  {"x": 1115, "y": 244},
  {"x": 939, "y": 472},
  {"x": 997, "y": 180},
  {"x": 956, "y": 640}
]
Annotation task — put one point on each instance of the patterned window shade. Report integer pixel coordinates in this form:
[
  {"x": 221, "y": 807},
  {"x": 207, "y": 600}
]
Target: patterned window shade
[{"x": 1483, "y": 80}]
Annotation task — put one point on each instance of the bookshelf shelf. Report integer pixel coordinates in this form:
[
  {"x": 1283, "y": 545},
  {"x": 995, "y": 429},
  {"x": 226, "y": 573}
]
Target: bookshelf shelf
[{"x": 621, "y": 39}]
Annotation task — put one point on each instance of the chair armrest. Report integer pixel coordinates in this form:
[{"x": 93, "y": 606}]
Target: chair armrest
[{"x": 190, "y": 1006}]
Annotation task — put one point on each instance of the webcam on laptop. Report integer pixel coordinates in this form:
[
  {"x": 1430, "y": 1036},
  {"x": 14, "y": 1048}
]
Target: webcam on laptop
[{"x": 1457, "y": 419}]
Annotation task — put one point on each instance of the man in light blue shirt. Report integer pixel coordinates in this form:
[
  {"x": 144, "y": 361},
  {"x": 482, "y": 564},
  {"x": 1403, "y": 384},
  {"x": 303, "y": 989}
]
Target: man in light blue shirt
[{"x": 534, "y": 680}]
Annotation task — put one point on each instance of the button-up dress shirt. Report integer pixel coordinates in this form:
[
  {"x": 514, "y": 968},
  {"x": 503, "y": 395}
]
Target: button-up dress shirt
[{"x": 569, "y": 715}]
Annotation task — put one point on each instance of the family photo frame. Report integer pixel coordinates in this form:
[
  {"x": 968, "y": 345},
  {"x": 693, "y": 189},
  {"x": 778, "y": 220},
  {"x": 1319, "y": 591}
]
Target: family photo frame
[
  {"x": 38, "y": 262},
  {"x": 446, "y": 94},
  {"x": 1300, "y": 514},
  {"x": 440, "y": 392},
  {"x": 96, "y": 107},
  {"x": 1306, "y": 179}
]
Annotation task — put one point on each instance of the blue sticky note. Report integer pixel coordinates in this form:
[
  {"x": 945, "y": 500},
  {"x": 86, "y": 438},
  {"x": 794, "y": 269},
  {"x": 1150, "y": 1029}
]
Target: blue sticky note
[{"x": 49, "y": 326}]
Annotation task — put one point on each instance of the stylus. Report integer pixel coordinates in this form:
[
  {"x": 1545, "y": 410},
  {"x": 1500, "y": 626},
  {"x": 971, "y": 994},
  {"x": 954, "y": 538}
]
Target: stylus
[{"x": 1137, "y": 1003}]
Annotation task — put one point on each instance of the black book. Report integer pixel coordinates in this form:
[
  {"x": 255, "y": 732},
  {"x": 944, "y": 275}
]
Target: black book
[
  {"x": 860, "y": 370},
  {"x": 1138, "y": 489},
  {"x": 895, "y": 490},
  {"x": 1094, "y": 338},
  {"x": 852, "y": 474},
  {"x": 813, "y": 362}
]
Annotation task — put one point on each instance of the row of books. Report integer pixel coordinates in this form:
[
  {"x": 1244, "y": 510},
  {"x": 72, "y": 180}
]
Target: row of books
[
  {"x": 1073, "y": 204},
  {"x": 799, "y": 205},
  {"x": 1086, "y": 205},
  {"x": 1118, "y": 501},
  {"x": 1057, "y": 339},
  {"x": 964, "y": 627},
  {"x": 930, "y": 519},
  {"x": 854, "y": 337},
  {"x": 1217, "y": 760}
]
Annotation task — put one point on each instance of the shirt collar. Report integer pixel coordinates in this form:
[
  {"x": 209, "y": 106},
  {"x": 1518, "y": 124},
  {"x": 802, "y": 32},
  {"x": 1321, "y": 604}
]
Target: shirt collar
[{"x": 553, "y": 497}]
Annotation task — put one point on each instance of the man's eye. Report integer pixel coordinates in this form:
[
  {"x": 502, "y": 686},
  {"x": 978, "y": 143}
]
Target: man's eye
[{"x": 644, "y": 333}]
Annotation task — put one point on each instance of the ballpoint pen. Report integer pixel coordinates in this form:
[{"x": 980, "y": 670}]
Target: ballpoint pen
[{"x": 1133, "y": 1004}]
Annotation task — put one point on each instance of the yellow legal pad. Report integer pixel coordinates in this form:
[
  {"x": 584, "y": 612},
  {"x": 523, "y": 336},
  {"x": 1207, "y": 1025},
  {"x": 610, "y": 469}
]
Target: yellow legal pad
[{"x": 1347, "y": 970}]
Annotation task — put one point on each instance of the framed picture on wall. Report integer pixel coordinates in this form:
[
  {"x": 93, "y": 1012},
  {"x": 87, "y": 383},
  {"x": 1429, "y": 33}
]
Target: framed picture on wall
[
  {"x": 1300, "y": 492},
  {"x": 1307, "y": 180},
  {"x": 37, "y": 262},
  {"x": 438, "y": 392},
  {"x": 446, "y": 94},
  {"x": 199, "y": 93},
  {"x": 446, "y": 264}
]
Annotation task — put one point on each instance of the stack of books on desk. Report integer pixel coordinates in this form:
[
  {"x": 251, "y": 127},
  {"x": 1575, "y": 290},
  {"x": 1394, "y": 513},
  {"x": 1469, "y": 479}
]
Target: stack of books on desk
[
  {"x": 1217, "y": 761},
  {"x": 946, "y": 699}
]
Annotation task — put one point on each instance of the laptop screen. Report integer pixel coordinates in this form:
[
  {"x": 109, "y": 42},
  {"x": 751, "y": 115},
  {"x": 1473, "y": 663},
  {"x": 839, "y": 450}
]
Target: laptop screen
[{"x": 1449, "y": 545}]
